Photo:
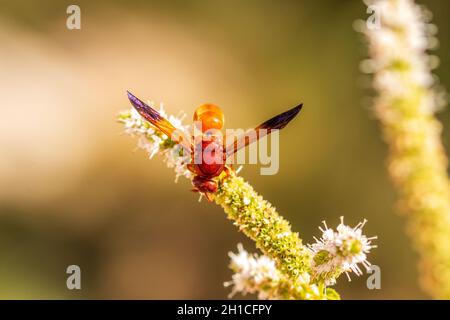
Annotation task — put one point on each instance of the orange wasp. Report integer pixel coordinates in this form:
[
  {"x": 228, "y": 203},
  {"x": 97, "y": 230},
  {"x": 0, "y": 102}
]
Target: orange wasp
[{"x": 210, "y": 147}]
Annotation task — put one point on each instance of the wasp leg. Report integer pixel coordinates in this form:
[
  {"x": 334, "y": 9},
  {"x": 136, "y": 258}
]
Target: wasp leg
[
  {"x": 229, "y": 171},
  {"x": 191, "y": 167},
  {"x": 208, "y": 196}
]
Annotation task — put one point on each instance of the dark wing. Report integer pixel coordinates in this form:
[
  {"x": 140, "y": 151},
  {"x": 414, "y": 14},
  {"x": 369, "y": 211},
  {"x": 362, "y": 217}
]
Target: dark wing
[
  {"x": 153, "y": 116},
  {"x": 278, "y": 122}
]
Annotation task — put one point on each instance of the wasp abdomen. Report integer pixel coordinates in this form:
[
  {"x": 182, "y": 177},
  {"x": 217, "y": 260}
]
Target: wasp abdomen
[{"x": 211, "y": 162}]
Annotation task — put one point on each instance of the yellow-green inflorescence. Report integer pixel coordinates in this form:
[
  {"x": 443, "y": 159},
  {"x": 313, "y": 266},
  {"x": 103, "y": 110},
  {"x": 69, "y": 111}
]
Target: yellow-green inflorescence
[
  {"x": 260, "y": 221},
  {"x": 406, "y": 102}
]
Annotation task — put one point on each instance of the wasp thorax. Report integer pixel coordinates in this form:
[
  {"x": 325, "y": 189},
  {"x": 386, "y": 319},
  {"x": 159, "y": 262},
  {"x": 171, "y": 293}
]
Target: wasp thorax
[{"x": 210, "y": 115}]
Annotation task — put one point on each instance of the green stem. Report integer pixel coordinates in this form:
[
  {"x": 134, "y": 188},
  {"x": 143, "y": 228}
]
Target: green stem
[{"x": 260, "y": 221}]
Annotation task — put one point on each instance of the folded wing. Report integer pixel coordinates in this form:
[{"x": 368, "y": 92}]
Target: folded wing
[
  {"x": 276, "y": 123},
  {"x": 159, "y": 122}
]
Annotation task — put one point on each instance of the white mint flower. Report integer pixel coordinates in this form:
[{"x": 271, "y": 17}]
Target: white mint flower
[
  {"x": 253, "y": 274},
  {"x": 340, "y": 251},
  {"x": 399, "y": 59},
  {"x": 151, "y": 146},
  {"x": 259, "y": 275},
  {"x": 155, "y": 142},
  {"x": 177, "y": 162}
]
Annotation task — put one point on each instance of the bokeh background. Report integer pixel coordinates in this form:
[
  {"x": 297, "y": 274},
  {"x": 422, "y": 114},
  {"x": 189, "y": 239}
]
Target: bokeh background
[{"x": 72, "y": 191}]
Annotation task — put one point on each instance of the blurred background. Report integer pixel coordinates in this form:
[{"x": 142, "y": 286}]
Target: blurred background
[{"x": 72, "y": 191}]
